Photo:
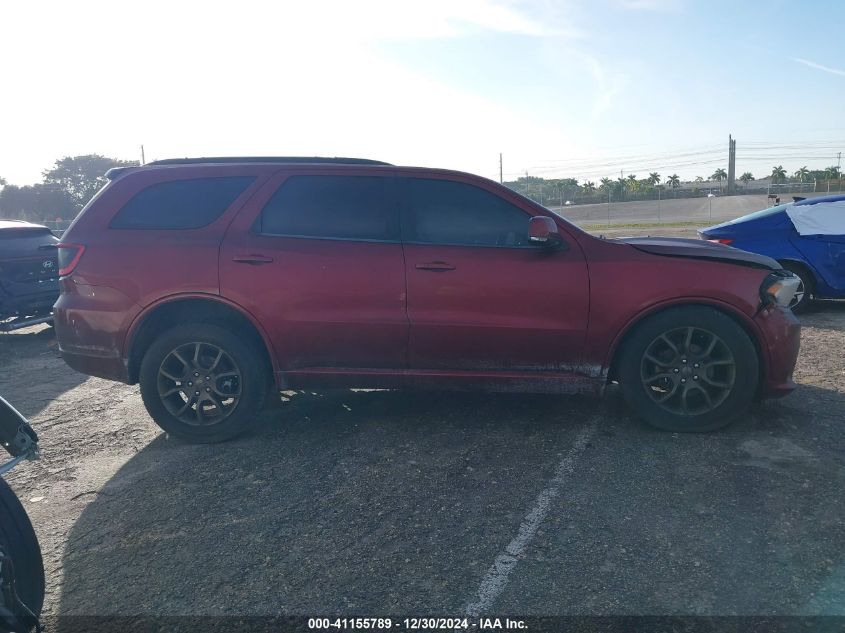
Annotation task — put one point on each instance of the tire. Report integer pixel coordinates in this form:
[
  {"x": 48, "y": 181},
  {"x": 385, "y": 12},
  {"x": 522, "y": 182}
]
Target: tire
[
  {"x": 808, "y": 286},
  {"x": 18, "y": 541},
  {"x": 231, "y": 387},
  {"x": 687, "y": 391}
]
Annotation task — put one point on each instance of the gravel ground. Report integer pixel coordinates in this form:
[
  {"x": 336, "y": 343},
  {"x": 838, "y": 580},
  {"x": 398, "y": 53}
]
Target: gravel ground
[{"x": 379, "y": 502}]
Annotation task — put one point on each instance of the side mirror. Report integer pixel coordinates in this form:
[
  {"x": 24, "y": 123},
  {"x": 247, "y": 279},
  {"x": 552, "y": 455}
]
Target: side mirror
[{"x": 543, "y": 230}]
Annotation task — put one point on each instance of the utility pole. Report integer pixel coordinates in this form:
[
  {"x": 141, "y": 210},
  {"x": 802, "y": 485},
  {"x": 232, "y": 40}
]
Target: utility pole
[
  {"x": 731, "y": 165},
  {"x": 143, "y": 160},
  {"x": 658, "y": 204},
  {"x": 500, "y": 168}
]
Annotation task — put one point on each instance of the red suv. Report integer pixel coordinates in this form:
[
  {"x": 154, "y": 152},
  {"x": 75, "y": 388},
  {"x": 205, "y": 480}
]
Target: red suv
[{"x": 214, "y": 282}]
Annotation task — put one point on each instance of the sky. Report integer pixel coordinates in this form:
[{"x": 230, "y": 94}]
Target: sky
[{"x": 561, "y": 88}]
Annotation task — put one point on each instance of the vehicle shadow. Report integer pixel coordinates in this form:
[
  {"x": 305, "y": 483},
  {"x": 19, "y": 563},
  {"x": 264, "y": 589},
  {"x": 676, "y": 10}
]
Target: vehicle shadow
[
  {"x": 374, "y": 503},
  {"x": 29, "y": 359},
  {"x": 352, "y": 502}
]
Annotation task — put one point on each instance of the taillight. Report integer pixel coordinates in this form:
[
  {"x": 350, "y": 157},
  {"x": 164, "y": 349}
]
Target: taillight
[
  {"x": 723, "y": 240},
  {"x": 69, "y": 256}
]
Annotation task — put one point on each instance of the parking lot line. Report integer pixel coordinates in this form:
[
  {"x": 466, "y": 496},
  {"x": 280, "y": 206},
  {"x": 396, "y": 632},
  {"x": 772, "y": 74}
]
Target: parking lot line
[{"x": 496, "y": 579}]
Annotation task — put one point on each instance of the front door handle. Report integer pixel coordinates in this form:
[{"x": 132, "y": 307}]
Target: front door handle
[
  {"x": 435, "y": 266},
  {"x": 254, "y": 259}
]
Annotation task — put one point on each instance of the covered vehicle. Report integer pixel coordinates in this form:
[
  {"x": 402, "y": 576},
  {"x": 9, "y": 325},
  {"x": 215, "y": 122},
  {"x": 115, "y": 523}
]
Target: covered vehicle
[
  {"x": 29, "y": 274},
  {"x": 806, "y": 237}
]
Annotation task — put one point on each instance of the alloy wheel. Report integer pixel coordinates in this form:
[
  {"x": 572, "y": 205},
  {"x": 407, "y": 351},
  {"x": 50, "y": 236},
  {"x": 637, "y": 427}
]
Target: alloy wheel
[
  {"x": 199, "y": 383},
  {"x": 688, "y": 371}
]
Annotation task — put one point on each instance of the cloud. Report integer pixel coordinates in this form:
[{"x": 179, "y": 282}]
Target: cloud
[
  {"x": 657, "y": 6},
  {"x": 608, "y": 85},
  {"x": 368, "y": 20},
  {"x": 827, "y": 69}
]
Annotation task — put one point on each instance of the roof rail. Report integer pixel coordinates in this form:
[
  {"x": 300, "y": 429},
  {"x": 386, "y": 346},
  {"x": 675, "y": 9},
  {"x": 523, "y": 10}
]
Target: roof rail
[
  {"x": 268, "y": 159},
  {"x": 115, "y": 172}
]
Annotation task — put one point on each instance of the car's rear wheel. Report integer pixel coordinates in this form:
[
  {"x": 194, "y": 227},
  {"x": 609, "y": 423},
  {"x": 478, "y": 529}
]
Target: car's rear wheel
[
  {"x": 18, "y": 542},
  {"x": 202, "y": 383},
  {"x": 689, "y": 369},
  {"x": 804, "y": 295}
]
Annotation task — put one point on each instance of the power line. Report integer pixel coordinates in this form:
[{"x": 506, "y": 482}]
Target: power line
[{"x": 750, "y": 154}]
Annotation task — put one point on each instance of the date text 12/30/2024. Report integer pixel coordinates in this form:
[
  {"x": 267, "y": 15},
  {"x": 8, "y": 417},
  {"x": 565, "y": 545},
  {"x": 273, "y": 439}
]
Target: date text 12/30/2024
[{"x": 414, "y": 624}]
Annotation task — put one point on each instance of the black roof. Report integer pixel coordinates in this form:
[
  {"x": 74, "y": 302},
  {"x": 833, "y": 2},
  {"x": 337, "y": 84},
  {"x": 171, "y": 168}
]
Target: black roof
[{"x": 268, "y": 159}]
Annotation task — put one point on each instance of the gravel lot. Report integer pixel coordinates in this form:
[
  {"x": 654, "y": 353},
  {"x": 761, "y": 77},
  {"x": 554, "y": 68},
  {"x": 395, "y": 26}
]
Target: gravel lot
[{"x": 375, "y": 503}]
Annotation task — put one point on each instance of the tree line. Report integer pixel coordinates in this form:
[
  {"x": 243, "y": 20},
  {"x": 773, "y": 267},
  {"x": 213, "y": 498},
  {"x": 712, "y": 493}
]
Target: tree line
[
  {"x": 549, "y": 191},
  {"x": 73, "y": 180},
  {"x": 65, "y": 188}
]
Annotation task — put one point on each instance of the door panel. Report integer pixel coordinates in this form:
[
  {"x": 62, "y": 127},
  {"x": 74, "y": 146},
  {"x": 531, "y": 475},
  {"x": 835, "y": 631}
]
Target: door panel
[
  {"x": 827, "y": 255},
  {"x": 499, "y": 308},
  {"x": 324, "y": 302},
  {"x": 496, "y": 302}
]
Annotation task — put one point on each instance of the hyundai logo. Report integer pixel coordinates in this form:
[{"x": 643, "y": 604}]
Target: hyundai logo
[{"x": 48, "y": 264}]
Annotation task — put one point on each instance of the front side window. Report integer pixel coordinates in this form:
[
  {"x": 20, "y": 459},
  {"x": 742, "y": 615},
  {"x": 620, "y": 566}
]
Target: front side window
[
  {"x": 446, "y": 212},
  {"x": 332, "y": 207},
  {"x": 180, "y": 204}
]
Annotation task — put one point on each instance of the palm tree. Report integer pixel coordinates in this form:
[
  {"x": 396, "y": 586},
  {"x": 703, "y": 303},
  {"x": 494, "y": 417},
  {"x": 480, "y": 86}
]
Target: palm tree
[
  {"x": 606, "y": 183},
  {"x": 802, "y": 173},
  {"x": 674, "y": 181},
  {"x": 719, "y": 175},
  {"x": 833, "y": 171},
  {"x": 746, "y": 177},
  {"x": 778, "y": 174},
  {"x": 589, "y": 186},
  {"x": 654, "y": 178},
  {"x": 699, "y": 179}
]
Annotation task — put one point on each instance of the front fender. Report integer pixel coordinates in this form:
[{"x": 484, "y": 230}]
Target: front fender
[{"x": 744, "y": 320}]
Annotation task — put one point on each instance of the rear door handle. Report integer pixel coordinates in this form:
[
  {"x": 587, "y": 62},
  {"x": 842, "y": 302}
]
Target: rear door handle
[
  {"x": 253, "y": 259},
  {"x": 435, "y": 266}
]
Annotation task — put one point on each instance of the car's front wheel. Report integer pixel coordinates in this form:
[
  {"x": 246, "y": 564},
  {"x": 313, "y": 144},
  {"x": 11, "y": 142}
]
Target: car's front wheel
[
  {"x": 689, "y": 369},
  {"x": 202, "y": 383}
]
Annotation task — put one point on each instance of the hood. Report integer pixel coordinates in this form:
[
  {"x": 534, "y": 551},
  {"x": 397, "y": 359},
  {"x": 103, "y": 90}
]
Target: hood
[{"x": 699, "y": 249}]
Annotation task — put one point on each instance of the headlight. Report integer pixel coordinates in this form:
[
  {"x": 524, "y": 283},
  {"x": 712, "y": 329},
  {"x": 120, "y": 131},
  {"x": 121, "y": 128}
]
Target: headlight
[{"x": 779, "y": 287}]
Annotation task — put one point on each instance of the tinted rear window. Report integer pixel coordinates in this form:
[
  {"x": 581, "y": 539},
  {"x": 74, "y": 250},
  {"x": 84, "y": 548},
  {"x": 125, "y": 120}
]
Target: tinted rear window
[
  {"x": 27, "y": 232},
  {"x": 27, "y": 243},
  {"x": 180, "y": 204},
  {"x": 332, "y": 207}
]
